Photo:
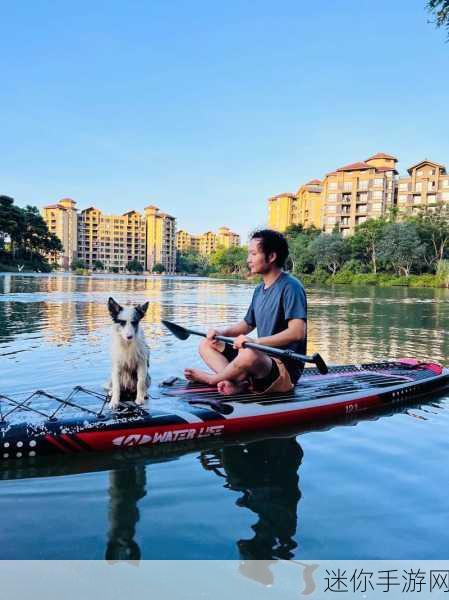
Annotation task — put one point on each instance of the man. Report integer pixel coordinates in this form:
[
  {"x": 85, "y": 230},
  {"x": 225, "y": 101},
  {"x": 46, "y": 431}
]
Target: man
[{"x": 279, "y": 311}]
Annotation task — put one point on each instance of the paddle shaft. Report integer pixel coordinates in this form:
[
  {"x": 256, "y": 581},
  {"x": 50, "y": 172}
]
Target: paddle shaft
[{"x": 277, "y": 352}]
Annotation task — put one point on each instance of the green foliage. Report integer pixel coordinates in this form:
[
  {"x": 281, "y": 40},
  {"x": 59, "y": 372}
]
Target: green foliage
[
  {"x": 440, "y": 11},
  {"x": 192, "y": 263},
  {"x": 229, "y": 261},
  {"x": 78, "y": 264},
  {"x": 24, "y": 235},
  {"x": 98, "y": 265},
  {"x": 401, "y": 248},
  {"x": 329, "y": 251},
  {"x": 158, "y": 268},
  {"x": 134, "y": 266}
]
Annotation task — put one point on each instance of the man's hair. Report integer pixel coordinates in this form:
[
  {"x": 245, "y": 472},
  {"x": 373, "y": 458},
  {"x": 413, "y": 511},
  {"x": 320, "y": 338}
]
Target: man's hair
[{"x": 272, "y": 241}]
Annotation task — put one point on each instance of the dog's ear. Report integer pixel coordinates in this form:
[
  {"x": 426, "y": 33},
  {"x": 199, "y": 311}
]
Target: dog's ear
[
  {"x": 114, "y": 308},
  {"x": 142, "y": 309}
]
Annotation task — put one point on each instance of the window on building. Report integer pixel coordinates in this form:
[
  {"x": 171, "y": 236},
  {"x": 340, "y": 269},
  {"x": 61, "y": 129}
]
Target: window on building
[
  {"x": 445, "y": 196},
  {"x": 347, "y": 186},
  {"x": 403, "y": 187},
  {"x": 332, "y": 197},
  {"x": 331, "y": 220},
  {"x": 331, "y": 208},
  {"x": 418, "y": 187},
  {"x": 431, "y": 198},
  {"x": 402, "y": 198},
  {"x": 332, "y": 185},
  {"x": 446, "y": 183},
  {"x": 377, "y": 206},
  {"x": 378, "y": 181},
  {"x": 377, "y": 195},
  {"x": 363, "y": 185},
  {"x": 417, "y": 200}
]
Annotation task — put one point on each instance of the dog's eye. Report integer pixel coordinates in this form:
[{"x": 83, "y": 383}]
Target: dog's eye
[
  {"x": 122, "y": 323},
  {"x": 134, "y": 323}
]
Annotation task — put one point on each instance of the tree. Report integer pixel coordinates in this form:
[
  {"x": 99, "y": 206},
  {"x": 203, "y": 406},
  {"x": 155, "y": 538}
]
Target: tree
[
  {"x": 433, "y": 230},
  {"x": 366, "y": 239},
  {"x": 329, "y": 251},
  {"x": 158, "y": 268},
  {"x": 98, "y": 265},
  {"x": 12, "y": 223},
  {"x": 134, "y": 266},
  {"x": 401, "y": 248},
  {"x": 440, "y": 11},
  {"x": 301, "y": 257},
  {"x": 230, "y": 261},
  {"x": 77, "y": 264}
]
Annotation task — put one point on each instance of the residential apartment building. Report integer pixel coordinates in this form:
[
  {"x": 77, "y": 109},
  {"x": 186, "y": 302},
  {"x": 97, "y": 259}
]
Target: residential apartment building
[
  {"x": 282, "y": 211},
  {"x": 62, "y": 220},
  {"x": 186, "y": 241},
  {"x": 426, "y": 185},
  {"x": 207, "y": 242},
  {"x": 303, "y": 208},
  {"x": 113, "y": 240},
  {"x": 358, "y": 191},
  {"x": 309, "y": 204},
  {"x": 160, "y": 239}
]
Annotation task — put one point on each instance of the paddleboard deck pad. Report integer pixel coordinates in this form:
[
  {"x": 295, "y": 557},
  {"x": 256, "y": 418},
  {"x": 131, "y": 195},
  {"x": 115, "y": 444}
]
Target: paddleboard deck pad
[{"x": 45, "y": 424}]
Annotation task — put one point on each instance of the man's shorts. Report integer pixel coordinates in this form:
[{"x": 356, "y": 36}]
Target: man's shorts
[{"x": 277, "y": 381}]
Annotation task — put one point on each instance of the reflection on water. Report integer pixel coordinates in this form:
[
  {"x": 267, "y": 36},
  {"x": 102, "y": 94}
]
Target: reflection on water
[
  {"x": 361, "y": 486},
  {"x": 266, "y": 474},
  {"x": 126, "y": 488}
]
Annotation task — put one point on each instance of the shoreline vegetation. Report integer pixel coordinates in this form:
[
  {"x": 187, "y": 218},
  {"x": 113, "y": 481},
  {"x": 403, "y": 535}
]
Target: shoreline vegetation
[{"x": 411, "y": 252}]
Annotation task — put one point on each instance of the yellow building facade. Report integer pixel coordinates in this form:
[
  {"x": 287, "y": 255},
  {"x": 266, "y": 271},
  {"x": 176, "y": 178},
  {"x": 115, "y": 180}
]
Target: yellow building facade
[
  {"x": 426, "y": 185},
  {"x": 114, "y": 240},
  {"x": 207, "y": 242},
  {"x": 62, "y": 221},
  {"x": 160, "y": 239},
  {"x": 358, "y": 191}
]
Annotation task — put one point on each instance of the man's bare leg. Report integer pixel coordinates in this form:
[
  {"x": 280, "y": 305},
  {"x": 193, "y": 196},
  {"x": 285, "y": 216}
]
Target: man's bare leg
[
  {"x": 212, "y": 354},
  {"x": 248, "y": 363}
]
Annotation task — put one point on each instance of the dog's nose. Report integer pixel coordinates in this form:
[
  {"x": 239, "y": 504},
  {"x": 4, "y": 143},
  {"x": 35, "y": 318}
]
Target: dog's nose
[{"x": 129, "y": 337}]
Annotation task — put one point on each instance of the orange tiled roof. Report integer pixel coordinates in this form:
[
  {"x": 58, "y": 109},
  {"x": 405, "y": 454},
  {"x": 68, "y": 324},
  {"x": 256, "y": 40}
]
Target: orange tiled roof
[
  {"x": 55, "y": 206},
  {"x": 382, "y": 155},
  {"x": 425, "y": 161},
  {"x": 313, "y": 182},
  {"x": 357, "y": 166},
  {"x": 288, "y": 194}
]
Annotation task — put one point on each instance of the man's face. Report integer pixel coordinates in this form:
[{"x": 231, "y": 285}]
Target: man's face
[{"x": 257, "y": 263}]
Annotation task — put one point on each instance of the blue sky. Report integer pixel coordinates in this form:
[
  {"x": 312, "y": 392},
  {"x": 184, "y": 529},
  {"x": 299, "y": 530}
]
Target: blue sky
[{"x": 206, "y": 109}]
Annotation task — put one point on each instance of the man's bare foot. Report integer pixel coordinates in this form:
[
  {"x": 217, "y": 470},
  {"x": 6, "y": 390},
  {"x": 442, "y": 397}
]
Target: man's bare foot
[
  {"x": 229, "y": 388},
  {"x": 197, "y": 375}
]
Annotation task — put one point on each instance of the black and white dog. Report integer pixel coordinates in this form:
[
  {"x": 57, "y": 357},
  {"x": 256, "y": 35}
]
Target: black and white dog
[{"x": 130, "y": 354}]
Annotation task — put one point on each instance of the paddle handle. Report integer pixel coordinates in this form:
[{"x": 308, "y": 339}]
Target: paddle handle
[{"x": 315, "y": 359}]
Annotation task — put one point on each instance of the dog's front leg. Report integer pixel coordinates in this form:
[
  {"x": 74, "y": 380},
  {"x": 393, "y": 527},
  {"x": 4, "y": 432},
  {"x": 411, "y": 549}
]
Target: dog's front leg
[
  {"x": 141, "y": 384},
  {"x": 115, "y": 391}
]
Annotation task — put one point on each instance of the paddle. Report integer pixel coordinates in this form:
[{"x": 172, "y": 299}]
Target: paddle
[{"x": 182, "y": 334}]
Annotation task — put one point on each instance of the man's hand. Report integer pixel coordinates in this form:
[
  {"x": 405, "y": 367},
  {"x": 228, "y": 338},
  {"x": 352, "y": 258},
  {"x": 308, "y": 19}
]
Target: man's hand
[
  {"x": 240, "y": 340},
  {"x": 211, "y": 337}
]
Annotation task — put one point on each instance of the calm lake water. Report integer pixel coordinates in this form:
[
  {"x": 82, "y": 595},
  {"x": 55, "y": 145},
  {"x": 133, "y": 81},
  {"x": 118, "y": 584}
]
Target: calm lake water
[{"x": 373, "y": 489}]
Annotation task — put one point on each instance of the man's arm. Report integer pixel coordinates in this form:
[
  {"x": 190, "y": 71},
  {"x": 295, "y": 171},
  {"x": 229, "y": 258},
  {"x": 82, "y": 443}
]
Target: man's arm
[
  {"x": 295, "y": 332},
  {"x": 241, "y": 328}
]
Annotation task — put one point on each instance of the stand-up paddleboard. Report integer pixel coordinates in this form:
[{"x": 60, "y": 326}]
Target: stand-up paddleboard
[{"x": 44, "y": 424}]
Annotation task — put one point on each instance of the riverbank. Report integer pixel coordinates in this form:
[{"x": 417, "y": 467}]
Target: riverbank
[{"x": 426, "y": 280}]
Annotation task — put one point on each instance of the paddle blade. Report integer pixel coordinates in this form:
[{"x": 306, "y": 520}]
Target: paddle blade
[
  {"x": 180, "y": 332},
  {"x": 320, "y": 364}
]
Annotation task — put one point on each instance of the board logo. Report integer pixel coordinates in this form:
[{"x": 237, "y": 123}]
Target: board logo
[{"x": 131, "y": 440}]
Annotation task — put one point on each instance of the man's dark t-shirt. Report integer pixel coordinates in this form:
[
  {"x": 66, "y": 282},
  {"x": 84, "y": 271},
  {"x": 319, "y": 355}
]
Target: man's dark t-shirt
[{"x": 272, "y": 308}]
